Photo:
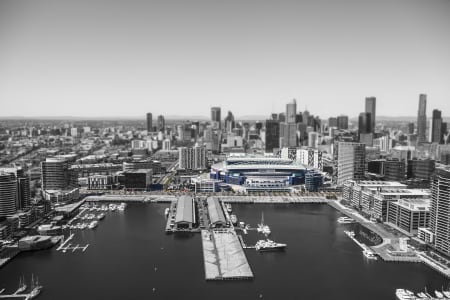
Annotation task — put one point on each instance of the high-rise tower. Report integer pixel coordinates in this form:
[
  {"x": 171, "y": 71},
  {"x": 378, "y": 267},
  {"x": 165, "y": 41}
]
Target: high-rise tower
[
  {"x": 149, "y": 122},
  {"x": 436, "y": 127},
  {"x": 371, "y": 106},
  {"x": 422, "y": 119}
]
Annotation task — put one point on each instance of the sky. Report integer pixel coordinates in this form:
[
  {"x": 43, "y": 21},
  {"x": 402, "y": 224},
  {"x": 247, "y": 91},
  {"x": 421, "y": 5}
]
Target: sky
[{"x": 110, "y": 58}]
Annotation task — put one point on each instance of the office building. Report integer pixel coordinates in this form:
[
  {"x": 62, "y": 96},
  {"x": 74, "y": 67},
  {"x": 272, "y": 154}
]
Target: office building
[
  {"x": 288, "y": 135},
  {"x": 394, "y": 170},
  {"x": 192, "y": 158},
  {"x": 291, "y": 111},
  {"x": 216, "y": 117},
  {"x": 272, "y": 136},
  {"x": 371, "y": 105},
  {"x": 149, "y": 122},
  {"x": 421, "y": 169},
  {"x": 436, "y": 127},
  {"x": 364, "y": 123},
  {"x": 229, "y": 122},
  {"x": 440, "y": 210},
  {"x": 166, "y": 144},
  {"x": 332, "y": 122},
  {"x": 161, "y": 123},
  {"x": 313, "y": 139},
  {"x": 422, "y": 120},
  {"x": 8, "y": 194},
  {"x": 342, "y": 122},
  {"x": 349, "y": 161},
  {"x": 138, "y": 179}
]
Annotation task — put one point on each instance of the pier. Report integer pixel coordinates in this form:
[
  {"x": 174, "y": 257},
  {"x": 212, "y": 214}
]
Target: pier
[{"x": 223, "y": 256}]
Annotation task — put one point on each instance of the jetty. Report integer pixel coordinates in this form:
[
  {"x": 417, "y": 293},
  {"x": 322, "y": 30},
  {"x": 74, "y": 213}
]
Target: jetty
[{"x": 223, "y": 256}]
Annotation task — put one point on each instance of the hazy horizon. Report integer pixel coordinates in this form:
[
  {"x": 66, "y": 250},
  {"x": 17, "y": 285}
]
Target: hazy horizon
[{"x": 112, "y": 58}]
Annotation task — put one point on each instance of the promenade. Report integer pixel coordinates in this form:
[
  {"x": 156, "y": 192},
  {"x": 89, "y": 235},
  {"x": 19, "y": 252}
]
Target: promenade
[{"x": 389, "y": 249}]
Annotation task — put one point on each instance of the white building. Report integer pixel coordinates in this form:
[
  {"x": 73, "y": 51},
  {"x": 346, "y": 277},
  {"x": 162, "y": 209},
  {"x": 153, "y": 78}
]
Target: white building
[{"x": 192, "y": 158}]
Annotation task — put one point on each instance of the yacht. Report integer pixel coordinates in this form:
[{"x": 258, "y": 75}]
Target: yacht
[
  {"x": 439, "y": 295},
  {"x": 345, "y": 220},
  {"x": 369, "y": 254},
  {"x": 166, "y": 212},
  {"x": 229, "y": 209},
  {"x": 446, "y": 294},
  {"x": 422, "y": 295},
  {"x": 35, "y": 289},
  {"x": 269, "y": 245},
  {"x": 403, "y": 294},
  {"x": 93, "y": 224},
  {"x": 100, "y": 216},
  {"x": 233, "y": 219}
]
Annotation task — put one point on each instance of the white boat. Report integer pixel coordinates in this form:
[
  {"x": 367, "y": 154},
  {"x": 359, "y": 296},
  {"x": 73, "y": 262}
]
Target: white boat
[
  {"x": 345, "y": 220},
  {"x": 269, "y": 245},
  {"x": 370, "y": 254},
  {"x": 422, "y": 295},
  {"x": 100, "y": 216},
  {"x": 241, "y": 224},
  {"x": 233, "y": 219},
  {"x": 403, "y": 294},
  {"x": 439, "y": 295},
  {"x": 93, "y": 224},
  {"x": 166, "y": 212},
  {"x": 446, "y": 294},
  {"x": 35, "y": 289},
  {"x": 228, "y": 206}
]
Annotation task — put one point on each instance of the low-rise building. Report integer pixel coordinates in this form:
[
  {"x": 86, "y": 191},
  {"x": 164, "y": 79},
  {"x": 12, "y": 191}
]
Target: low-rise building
[{"x": 409, "y": 214}]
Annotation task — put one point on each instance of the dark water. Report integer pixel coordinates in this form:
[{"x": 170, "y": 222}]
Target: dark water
[{"x": 321, "y": 262}]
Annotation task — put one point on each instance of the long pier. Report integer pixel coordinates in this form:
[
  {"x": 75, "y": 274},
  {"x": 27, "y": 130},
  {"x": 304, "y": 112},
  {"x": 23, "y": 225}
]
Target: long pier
[
  {"x": 65, "y": 242},
  {"x": 223, "y": 256}
]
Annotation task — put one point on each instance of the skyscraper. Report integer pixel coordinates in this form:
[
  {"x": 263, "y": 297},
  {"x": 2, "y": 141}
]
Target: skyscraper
[
  {"x": 364, "y": 122},
  {"x": 349, "y": 159},
  {"x": 8, "y": 194},
  {"x": 149, "y": 122},
  {"x": 440, "y": 209},
  {"x": 422, "y": 120},
  {"x": 371, "y": 106},
  {"x": 161, "y": 123},
  {"x": 215, "y": 117},
  {"x": 229, "y": 122},
  {"x": 272, "y": 135},
  {"x": 291, "y": 111},
  {"x": 436, "y": 127}
]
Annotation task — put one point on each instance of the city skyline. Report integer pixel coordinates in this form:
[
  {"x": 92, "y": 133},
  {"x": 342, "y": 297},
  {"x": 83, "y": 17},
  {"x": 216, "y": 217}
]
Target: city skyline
[{"x": 114, "y": 59}]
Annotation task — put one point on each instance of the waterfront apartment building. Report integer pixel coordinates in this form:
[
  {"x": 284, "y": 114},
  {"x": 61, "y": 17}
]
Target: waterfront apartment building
[
  {"x": 408, "y": 214},
  {"x": 440, "y": 209},
  {"x": 192, "y": 158},
  {"x": 8, "y": 194},
  {"x": 372, "y": 197},
  {"x": 137, "y": 179},
  {"x": 349, "y": 159},
  {"x": 55, "y": 174}
]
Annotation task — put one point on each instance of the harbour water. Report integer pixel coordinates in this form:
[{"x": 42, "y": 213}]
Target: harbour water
[{"x": 131, "y": 257}]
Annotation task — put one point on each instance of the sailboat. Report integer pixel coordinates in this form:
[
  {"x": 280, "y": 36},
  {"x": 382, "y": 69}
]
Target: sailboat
[
  {"x": 35, "y": 288},
  {"x": 22, "y": 286},
  {"x": 263, "y": 228}
]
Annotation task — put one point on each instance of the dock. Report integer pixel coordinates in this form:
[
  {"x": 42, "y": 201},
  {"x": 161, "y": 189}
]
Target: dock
[
  {"x": 224, "y": 256},
  {"x": 65, "y": 242}
]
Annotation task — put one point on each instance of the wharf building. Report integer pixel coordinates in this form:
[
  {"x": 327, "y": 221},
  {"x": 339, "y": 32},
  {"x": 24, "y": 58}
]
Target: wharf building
[
  {"x": 206, "y": 185},
  {"x": 259, "y": 173},
  {"x": 373, "y": 197},
  {"x": 350, "y": 160},
  {"x": 216, "y": 215},
  {"x": 192, "y": 158},
  {"x": 185, "y": 214}
]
